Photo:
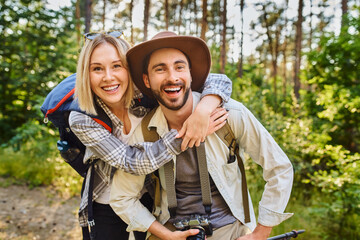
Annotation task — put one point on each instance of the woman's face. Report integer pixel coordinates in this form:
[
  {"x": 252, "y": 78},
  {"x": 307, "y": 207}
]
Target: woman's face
[{"x": 108, "y": 77}]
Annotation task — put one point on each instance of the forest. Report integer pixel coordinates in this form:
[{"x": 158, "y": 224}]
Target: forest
[{"x": 296, "y": 66}]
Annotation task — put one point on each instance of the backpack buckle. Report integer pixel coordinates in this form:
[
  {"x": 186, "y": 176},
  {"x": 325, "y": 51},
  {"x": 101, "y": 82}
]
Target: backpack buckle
[{"x": 91, "y": 223}]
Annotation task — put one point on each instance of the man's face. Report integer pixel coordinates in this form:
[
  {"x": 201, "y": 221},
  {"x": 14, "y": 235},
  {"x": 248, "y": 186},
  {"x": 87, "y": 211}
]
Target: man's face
[{"x": 169, "y": 77}]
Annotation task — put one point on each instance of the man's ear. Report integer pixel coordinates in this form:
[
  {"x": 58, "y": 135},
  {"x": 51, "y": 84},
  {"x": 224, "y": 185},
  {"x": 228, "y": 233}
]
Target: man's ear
[{"x": 146, "y": 80}]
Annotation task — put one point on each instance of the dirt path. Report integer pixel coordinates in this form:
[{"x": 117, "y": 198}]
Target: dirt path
[{"x": 39, "y": 213}]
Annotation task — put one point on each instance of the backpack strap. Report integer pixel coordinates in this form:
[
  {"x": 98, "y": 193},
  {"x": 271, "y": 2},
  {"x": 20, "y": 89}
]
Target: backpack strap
[
  {"x": 150, "y": 135},
  {"x": 228, "y": 137}
]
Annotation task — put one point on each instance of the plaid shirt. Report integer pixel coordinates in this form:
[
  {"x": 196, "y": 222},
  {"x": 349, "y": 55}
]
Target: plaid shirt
[{"x": 139, "y": 159}]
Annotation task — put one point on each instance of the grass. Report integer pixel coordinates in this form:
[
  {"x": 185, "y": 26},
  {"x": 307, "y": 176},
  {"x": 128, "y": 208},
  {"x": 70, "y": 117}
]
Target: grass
[{"x": 22, "y": 168}]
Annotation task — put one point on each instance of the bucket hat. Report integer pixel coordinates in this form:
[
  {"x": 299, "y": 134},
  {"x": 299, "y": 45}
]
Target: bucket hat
[{"x": 193, "y": 47}]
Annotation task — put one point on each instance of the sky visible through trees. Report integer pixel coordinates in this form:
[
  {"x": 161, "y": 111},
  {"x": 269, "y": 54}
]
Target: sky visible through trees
[{"x": 233, "y": 15}]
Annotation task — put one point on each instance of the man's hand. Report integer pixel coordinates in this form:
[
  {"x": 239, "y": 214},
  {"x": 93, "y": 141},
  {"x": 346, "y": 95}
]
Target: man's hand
[
  {"x": 260, "y": 233},
  {"x": 182, "y": 235},
  {"x": 163, "y": 233},
  {"x": 201, "y": 124}
]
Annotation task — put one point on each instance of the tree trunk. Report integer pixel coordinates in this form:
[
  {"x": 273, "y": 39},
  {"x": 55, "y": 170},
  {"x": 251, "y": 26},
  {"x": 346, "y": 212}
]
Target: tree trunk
[
  {"x": 77, "y": 16},
  {"x": 241, "y": 61},
  {"x": 167, "y": 15},
  {"x": 298, "y": 39},
  {"x": 103, "y": 16},
  {"x": 310, "y": 25},
  {"x": 204, "y": 23},
  {"x": 274, "y": 51},
  {"x": 180, "y": 16},
  {"x": 146, "y": 18},
  {"x": 344, "y": 10},
  {"x": 131, "y": 22},
  {"x": 284, "y": 85},
  {"x": 223, "y": 35},
  {"x": 88, "y": 4},
  {"x": 196, "y": 19}
]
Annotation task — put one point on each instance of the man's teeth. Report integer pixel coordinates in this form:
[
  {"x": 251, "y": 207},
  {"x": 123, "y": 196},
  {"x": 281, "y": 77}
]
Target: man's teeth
[
  {"x": 172, "y": 89},
  {"x": 110, "y": 88}
]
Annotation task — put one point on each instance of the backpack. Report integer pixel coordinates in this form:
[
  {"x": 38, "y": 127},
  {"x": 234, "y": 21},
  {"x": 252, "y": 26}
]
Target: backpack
[
  {"x": 225, "y": 134},
  {"x": 56, "y": 107}
]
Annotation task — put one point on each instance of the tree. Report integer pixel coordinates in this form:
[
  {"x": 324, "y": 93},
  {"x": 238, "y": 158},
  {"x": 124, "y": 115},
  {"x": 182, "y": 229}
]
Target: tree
[
  {"x": 284, "y": 51},
  {"x": 78, "y": 21},
  {"x": 271, "y": 21},
  {"x": 146, "y": 18},
  {"x": 88, "y": 4},
  {"x": 298, "y": 40},
  {"x": 36, "y": 52},
  {"x": 204, "y": 22},
  {"x": 166, "y": 7},
  {"x": 223, "y": 38},
  {"x": 241, "y": 60},
  {"x": 131, "y": 8},
  {"x": 103, "y": 15},
  {"x": 344, "y": 11}
]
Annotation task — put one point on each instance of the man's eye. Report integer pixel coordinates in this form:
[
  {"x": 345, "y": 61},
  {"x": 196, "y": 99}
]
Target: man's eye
[
  {"x": 180, "y": 67},
  {"x": 159, "y": 69}
]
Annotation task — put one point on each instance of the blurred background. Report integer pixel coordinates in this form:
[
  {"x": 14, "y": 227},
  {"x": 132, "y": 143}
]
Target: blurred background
[{"x": 293, "y": 63}]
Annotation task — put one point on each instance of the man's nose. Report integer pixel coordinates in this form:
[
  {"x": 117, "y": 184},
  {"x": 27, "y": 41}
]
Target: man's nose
[{"x": 173, "y": 75}]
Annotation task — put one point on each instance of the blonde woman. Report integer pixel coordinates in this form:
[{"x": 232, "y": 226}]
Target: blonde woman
[{"x": 103, "y": 80}]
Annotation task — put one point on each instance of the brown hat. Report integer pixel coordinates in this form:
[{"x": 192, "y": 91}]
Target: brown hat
[{"x": 195, "y": 48}]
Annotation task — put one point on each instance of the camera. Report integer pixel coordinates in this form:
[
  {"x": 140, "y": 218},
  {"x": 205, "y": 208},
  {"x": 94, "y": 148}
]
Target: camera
[{"x": 195, "y": 222}]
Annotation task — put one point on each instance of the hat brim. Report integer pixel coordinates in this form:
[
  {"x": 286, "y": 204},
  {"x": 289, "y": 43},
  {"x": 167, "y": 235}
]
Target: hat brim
[{"x": 195, "y": 49}]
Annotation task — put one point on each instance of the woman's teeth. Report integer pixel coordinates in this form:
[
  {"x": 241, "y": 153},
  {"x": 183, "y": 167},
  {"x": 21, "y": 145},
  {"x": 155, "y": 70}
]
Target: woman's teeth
[{"x": 111, "y": 88}]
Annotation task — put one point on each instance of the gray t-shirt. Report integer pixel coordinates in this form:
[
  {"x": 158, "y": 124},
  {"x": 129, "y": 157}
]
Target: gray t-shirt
[{"x": 188, "y": 192}]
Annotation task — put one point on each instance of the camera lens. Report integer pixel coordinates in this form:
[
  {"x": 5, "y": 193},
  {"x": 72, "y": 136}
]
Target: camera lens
[{"x": 199, "y": 236}]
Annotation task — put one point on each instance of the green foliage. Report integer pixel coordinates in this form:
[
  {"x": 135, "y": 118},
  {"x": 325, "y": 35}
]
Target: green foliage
[
  {"x": 37, "y": 162},
  {"x": 32, "y": 58},
  {"x": 334, "y": 75}
]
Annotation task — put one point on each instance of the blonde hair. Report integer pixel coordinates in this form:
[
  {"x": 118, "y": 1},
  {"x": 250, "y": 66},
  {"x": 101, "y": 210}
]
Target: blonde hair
[{"x": 83, "y": 92}]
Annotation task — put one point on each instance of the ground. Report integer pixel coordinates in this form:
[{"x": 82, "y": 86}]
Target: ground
[{"x": 39, "y": 213}]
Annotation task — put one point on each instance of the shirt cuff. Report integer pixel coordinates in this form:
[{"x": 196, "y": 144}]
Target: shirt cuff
[
  {"x": 172, "y": 143},
  {"x": 220, "y": 85},
  {"x": 270, "y": 218},
  {"x": 141, "y": 222}
]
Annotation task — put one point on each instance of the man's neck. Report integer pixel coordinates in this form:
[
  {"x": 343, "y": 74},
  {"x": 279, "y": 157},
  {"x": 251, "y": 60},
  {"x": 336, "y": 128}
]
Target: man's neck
[{"x": 176, "y": 118}]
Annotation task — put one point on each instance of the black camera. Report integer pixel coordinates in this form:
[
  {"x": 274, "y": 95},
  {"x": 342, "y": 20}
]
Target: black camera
[{"x": 195, "y": 222}]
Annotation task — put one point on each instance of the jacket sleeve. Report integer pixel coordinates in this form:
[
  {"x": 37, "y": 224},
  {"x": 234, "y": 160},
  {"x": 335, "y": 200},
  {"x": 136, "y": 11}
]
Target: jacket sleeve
[
  {"x": 138, "y": 159},
  {"x": 256, "y": 141},
  {"x": 125, "y": 197}
]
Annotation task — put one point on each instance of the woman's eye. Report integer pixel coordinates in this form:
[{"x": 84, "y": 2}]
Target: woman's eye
[
  {"x": 97, "y": 69},
  {"x": 117, "y": 66}
]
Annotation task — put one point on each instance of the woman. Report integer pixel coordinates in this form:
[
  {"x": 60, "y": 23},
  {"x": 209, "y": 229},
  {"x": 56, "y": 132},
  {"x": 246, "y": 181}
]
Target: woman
[{"x": 103, "y": 79}]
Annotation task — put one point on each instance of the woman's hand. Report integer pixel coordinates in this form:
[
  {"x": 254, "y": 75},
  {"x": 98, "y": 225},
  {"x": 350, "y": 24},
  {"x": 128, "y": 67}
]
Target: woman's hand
[{"x": 200, "y": 124}]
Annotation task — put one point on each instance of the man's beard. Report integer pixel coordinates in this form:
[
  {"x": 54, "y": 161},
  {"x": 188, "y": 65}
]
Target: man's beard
[{"x": 157, "y": 95}]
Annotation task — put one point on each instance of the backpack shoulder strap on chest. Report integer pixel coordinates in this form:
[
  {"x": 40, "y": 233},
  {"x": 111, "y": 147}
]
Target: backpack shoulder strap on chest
[
  {"x": 227, "y": 136},
  {"x": 150, "y": 135}
]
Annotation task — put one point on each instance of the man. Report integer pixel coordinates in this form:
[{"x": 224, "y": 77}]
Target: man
[{"x": 166, "y": 68}]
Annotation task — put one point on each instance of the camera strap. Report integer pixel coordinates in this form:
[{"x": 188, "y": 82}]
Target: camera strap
[{"x": 204, "y": 182}]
